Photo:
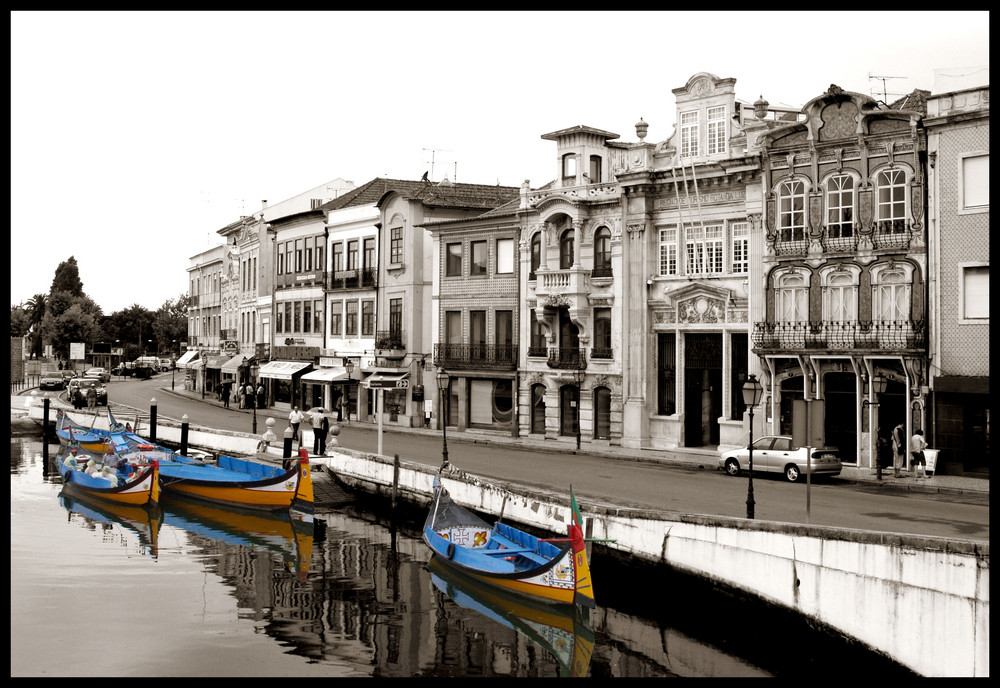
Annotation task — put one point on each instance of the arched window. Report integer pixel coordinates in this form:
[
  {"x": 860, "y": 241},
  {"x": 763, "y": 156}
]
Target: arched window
[
  {"x": 840, "y": 206},
  {"x": 536, "y": 254},
  {"x": 538, "y": 409},
  {"x": 890, "y": 187},
  {"x": 566, "y": 249},
  {"x": 602, "y": 413},
  {"x": 791, "y": 211},
  {"x": 840, "y": 298},
  {"x": 791, "y": 299},
  {"x": 602, "y": 252},
  {"x": 890, "y": 296}
]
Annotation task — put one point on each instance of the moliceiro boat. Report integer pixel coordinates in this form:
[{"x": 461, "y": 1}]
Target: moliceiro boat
[
  {"x": 551, "y": 570},
  {"x": 134, "y": 482}
]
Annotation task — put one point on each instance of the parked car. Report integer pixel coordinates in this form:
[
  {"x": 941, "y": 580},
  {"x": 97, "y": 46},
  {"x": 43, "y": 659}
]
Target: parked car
[
  {"x": 102, "y": 374},
  {"x": 52, "y": 380},
  {"x": 776, "y": 454},
  {"x": 165, "y": 364},
  {"x": 77, "y": 392},
  {"x": 68, "y": 375}
]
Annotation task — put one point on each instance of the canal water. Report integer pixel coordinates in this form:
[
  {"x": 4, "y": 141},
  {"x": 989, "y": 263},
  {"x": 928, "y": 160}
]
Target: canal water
[{"x": 193, "y": 590}]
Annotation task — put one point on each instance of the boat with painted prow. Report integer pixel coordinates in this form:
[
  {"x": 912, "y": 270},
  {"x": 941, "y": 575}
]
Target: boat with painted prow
[
  {"x": 552, "y": 570},
  {"x": 123, "y": 482}
]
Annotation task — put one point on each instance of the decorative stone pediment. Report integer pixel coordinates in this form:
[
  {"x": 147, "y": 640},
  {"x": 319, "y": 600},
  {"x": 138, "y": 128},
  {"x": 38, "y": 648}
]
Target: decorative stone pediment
[{"x": 702, "y": 303}]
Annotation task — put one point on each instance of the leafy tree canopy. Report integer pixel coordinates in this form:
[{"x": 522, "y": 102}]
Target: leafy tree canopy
[{"x": 67, "y": 278}]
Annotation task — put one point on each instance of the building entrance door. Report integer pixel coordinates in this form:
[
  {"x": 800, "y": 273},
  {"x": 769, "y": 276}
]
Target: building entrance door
[{"x": 702, "y": 389}]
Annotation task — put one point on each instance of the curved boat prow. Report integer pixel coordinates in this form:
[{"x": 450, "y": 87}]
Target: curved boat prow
[
  {"x": 154, "y": 495},
  {"x": 584, "y": 587},
  {"x": 304, "y": 501}
]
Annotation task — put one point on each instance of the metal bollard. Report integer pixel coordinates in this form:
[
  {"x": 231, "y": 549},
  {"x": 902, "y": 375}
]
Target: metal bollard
[
  {"x": 287, "y": 450},
  {"x": 152, "y": 419},
  {"x": 184, "y": 435}
]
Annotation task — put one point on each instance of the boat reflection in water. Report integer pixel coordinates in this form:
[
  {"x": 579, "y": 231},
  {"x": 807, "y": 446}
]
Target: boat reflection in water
[
  {"x": 562, "y": 630},
  {"x": 142, "y": 522},
  {"x": 275, "y": 532}
]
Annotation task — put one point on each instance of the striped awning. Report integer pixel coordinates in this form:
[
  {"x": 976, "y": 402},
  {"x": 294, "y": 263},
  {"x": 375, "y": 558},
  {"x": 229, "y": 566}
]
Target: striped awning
[
  {"x": 325, "y": 376},
  {"x": 283, "y": 370},
  {"x": 188, "y": 358}
]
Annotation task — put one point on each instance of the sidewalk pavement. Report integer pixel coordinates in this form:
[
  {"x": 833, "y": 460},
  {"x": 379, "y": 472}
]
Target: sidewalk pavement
[{"x": 706, "y": 457}]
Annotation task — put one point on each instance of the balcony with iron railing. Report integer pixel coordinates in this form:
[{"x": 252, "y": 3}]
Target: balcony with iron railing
[
  {"x": 465, "y": 356},
  {"x": 565, "y": 358},
  {"x": 601, "y": 353},
  {"x": 892, "y": 234},
  {"x": 364, "y": 278},
  {"x": 840, "y": 335},
  {"x": 389, "y": 344}
]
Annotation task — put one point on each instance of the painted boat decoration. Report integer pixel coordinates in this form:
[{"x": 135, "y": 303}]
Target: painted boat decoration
[
  {"x": 111, "y": 478},
  {"x": 553, "y": 570},
  {"x": 562, "y": 630},
  {"x": 276, "y": 532},
  {"x": 117, "y": 437},
  {"x": 143, "y": 522},
  {"x": 241, "y": 482}
]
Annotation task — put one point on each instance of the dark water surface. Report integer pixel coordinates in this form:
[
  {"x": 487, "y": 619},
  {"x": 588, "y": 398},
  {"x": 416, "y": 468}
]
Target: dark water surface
[{"x": 197, "y": 591}]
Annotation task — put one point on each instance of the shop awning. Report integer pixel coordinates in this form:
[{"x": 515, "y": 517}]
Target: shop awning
[
  {"x": 387, "y": 380},
  {"x": 325, "y": 376},
  {"x": 216, "y": 362},
  {"x": 188, "y": 357},
  {"x": 283, "y": 370},
  {"x": 232, "y": 366}
]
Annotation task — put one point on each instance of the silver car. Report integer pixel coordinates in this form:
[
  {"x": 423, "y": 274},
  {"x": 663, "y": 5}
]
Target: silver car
[{"x": 776, "y": 454}]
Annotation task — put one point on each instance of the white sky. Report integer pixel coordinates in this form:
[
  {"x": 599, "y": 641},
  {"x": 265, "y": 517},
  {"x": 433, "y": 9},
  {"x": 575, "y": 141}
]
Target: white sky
[{"x": 136, "y": 136}]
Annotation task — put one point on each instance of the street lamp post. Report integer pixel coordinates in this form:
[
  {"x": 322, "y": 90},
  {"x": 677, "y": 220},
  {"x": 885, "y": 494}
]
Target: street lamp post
[
  {"x": 443, "y": 380},
  {"x": 752, "y": 392},
  {"x": 254, "y": 370},
  {"x": 173, "y": 364},
  {"x": 578, "y": 376},
  {"x": 349, "y": 367},
  {"x": 879, "y": 383}
]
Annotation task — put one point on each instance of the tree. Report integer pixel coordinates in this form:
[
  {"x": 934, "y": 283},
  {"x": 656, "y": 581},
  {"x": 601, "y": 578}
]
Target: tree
[
  {"x": 76, "y": 322},
  {"x": 67, "y": 278},
  {"x": 36, "y": 308},
  {"x": 20, "y": 323},
  {"x": 170, "y": 324}
]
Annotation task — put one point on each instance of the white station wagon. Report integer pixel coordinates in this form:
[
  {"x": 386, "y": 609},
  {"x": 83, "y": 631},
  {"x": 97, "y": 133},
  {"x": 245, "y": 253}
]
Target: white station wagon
[{"x": 775, "y": 454}]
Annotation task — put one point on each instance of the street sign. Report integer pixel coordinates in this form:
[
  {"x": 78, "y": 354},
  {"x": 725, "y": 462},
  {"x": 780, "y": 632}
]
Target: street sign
[{"x": 388, "y": 384}]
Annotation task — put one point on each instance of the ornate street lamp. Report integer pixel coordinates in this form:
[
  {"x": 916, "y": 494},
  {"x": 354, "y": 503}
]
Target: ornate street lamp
[
  {"x": 879, "y": 383},
  {"x": 444, "y": 381},
  {"x": 349, "y": 367},
  {"x": 752, "y": 392}
]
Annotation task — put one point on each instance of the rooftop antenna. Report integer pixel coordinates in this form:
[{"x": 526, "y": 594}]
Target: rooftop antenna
[
  {"x": 435, "y": 151},
  {"x": 883, "y": 79}
]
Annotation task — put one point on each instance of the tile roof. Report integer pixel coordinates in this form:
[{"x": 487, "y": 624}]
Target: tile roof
[{"x": 429, "y": 193}]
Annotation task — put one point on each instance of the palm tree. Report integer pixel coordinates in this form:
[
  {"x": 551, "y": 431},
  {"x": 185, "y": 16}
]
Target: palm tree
[{"x": 35, "y": 309}]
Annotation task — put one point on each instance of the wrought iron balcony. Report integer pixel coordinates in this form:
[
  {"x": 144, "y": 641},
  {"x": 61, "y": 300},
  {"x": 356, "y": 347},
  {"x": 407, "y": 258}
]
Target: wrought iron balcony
[
  {"x": 462, "y": 356},
  {"x": 365, "y": 278},
  {"x": 840, "y": 238},
  {"x": 538, "y": 351},
  {"x": 830, "y": 335},
  {"x": 602, "y": 353},
  {"x": 892, "y": 234},
  {"x": 567, "y": 359}
]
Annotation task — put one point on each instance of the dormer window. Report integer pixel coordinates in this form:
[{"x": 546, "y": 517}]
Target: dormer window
[
  {"x": 689, "y": 134},
  {"x": 717, "y": 130}
]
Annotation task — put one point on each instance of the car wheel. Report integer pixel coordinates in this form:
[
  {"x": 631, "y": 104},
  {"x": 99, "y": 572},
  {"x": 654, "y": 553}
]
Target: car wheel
[
  {"x": 792, "y": 472},
  {"x": 732, "y": 467}
]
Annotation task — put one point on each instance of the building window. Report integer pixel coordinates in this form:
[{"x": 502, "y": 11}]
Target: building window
[
  {"x": 307, "y": 316},
  {"x": 336, "y": 313},
  {"x": 453, "y": 263},
  {"x": 296, "y": 316},
  {"x": 891, "y": 194},
  {"x": 351, "y": 319},
  {"x": 338, "y": 258},
  {"x": 281, "y": 260},
  {"x": 891, "y": 300},
  {"x": 689, "y": 134},
  {"x": 298, "y": 255},
  {"x": 537, "y": 409},
  {"x": 453, "y": 327},
  {"x": 595, "y": 169},
  {"x": 352, "y": 254},
  {"x": 289, "y": 253},
  {"x": 741, "y": 247},
  {"x": 976, "y": 292},
  {"x": 318, "y": 317},
  {"x": 320, "y": 265},
  {"x": 602, "y": 252},
  {"x": 791, "y": 299},
  {"x": 536, "y": 254},
  {"x": 566, "y": 249},
  {"x": 368, "y": 318},
  {"x": 477, "y": 266},
  {"x": 840, "y": 298},
  {"x": 308, "y": 258},
  {"x": 569, "y": 165},
  {"x": 717, "y": 129},
  {"x": 396, "y": 245},
  {"x": 503, "y": 333},
  {"x": 668, "y": 251},
  {"x": 396, "y": 318},
  {"x": 602, "y": 413},
  {"x": 738, "y": 373},
  {"x": 791, "y": 211},
  {"x": 840, "y": 206},
  {"x": 536, "y": 341},
  {"x": 602, "y": 334},
  {"x": 369, "y": 253},
  {"x": 704, "y": 250},
  {"x": 666, "y": 379},
  {"x": 505, "y": 256},
  {"x": 288, "y": 318},
  {"x": 975, "y": 183},
  {"x": 279, "y": 322},
  {"x": 477, "y": 333}
]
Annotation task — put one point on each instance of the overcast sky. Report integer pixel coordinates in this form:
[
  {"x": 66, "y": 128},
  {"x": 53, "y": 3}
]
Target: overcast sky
[{"x": 136, "y": 136}]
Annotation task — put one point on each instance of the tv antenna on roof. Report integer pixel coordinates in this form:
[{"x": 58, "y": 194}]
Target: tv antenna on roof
[
  {"x": 435, "y": 151},
  {"x": 883, "y": 79}
]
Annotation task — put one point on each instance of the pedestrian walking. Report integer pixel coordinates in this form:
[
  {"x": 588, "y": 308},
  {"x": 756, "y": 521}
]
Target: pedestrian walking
[
  {"x": 321, "y": 426},
  {"x": 226, "y": 392},
  {"x": 898, "y": 449},
  {"x": 338, "y": 406},
  {"x": 243, "y": 397},
  {"x": 917, "y": 446},
  {"x": 260, "y": 395},
  {"x": 91, "y": 398},
  {"x": 294, "y": 419}
]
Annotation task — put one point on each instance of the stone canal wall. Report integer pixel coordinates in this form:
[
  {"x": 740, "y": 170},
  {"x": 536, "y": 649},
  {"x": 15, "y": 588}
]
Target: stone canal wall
[{"x": 924, "y": 601}]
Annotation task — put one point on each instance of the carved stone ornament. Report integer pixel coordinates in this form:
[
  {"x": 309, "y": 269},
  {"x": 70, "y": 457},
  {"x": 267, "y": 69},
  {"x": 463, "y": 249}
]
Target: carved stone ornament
[
  {"x": 556, "y": 301},
  {"x": 702, "y": 309},
  {"x": 917, "y": 204},
  {"x": 636, "y": 229}
]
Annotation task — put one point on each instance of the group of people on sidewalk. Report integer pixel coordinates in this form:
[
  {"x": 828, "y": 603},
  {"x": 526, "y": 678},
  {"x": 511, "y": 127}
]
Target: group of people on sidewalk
[
  {"x": 320, "y": 425},
  {"x": 248, "y": 397},
  {"x": 917, "y": 446}
]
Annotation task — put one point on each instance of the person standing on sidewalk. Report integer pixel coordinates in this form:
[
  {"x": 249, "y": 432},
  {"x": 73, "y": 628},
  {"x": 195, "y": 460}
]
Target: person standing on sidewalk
[
  {"x": 243, "y": 396},
  {"x": 294, "y": 418},
  {"x": 226, "y": 392},
  {"x": 898, "y": 449},
  {"x": 320, "y": 427},
  {"x": 260, "y": 395},
  {"x": 917, "y": 446},
  {"x": 251, "y": 403}
]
